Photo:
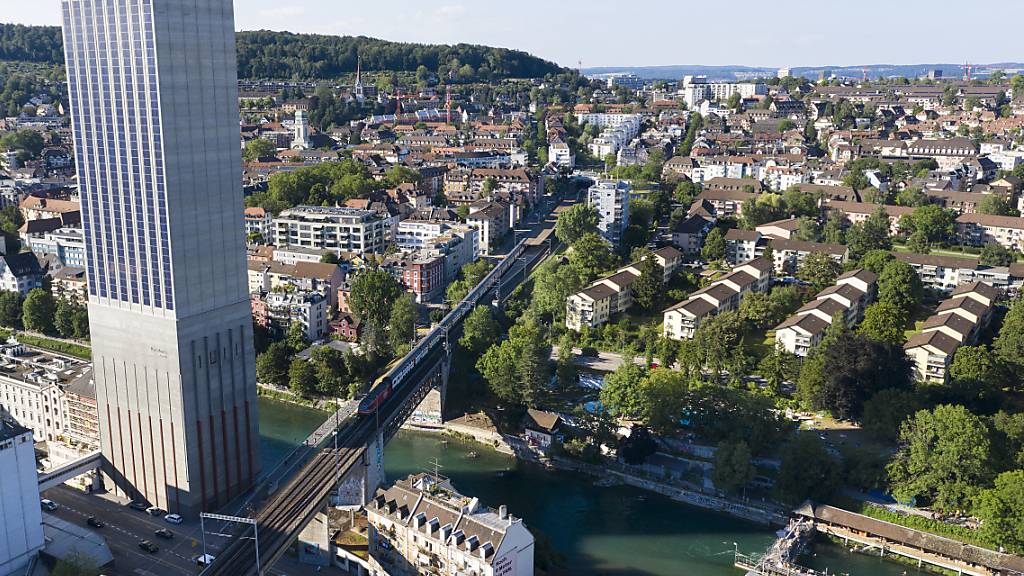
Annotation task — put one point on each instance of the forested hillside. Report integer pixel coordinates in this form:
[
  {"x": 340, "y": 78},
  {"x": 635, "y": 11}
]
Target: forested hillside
[{"x": 266, "y": 54}]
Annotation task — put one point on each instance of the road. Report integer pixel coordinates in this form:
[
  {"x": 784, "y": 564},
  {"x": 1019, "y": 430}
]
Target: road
[
  {"x": 124, "y": 529},
  {"x": 603, "y": 362}
]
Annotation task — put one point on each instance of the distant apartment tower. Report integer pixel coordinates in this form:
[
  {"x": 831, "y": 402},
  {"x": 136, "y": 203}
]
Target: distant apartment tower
[
  {"x": 154, "y": 98},
  {"x": 611, "y": 200}
]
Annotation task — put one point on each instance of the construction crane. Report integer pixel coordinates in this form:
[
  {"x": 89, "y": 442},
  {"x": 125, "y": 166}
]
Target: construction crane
[
  {"x": 971, "y": 69},
  {"x": 865, "y": 72}
]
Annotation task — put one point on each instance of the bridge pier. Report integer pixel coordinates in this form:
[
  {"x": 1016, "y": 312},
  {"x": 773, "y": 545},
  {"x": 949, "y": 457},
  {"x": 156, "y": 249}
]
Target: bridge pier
[{"x": 430, "y": 412}]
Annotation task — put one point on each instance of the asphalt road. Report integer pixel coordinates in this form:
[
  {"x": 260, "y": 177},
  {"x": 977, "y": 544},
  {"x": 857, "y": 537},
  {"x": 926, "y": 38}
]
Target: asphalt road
[{"x": 124, "y": 529}]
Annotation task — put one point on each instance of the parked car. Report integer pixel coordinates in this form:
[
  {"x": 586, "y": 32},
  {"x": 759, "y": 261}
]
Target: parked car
[
  {"x": 164, "y": 533},
  {"x": 138, "y": 505},
  {"x": 149, "y": 546},
  {"x": 154, "y": 511},
  {"x": 95, "y": 522},
  {"x": 48, "y": 505},
  {"x": 203, "y": 559},
  {"x": 173, "y": 518}
]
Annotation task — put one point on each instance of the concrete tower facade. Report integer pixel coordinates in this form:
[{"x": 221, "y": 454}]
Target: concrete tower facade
[{"x": 153, "y": 91}]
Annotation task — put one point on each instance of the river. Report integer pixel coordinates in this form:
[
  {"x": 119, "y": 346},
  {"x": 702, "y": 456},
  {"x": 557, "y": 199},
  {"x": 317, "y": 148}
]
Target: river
[{"x": 619, "y": 531}]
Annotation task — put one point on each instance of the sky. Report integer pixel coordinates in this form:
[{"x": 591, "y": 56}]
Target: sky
[{"x": 773, "y": 33}]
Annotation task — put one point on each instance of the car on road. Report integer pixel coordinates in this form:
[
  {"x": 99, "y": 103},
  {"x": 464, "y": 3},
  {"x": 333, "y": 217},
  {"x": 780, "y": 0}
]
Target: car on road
[
  {"x": 138, "y": 505},
  {"x": 203, "y": 559},
  {"x": 94, "y": 522},
  {"x": 164, "y": 533},
  {"x": 174, "y": 518},
  {"x": 154, "y": 511},
  {"x": 149, "y": 546},
  {"x": 48, "y": 505}
]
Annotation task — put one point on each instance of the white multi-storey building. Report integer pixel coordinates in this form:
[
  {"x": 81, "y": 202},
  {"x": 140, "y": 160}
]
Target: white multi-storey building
[
  {"x": 332, "y": 229},
  {"x": 22, "y": 528},
  {"x": 611, "y": 200},
  {"x": 153, "y": 90},
  {"x": 67, "y": 244},
  {"x": 421, "y": 525},
  {"x": 617, "y": 130}
]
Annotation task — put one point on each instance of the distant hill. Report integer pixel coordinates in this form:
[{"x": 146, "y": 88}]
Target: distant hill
[
  {"x": 265, "y": 54},
  {"x": 732, "y": 73}
]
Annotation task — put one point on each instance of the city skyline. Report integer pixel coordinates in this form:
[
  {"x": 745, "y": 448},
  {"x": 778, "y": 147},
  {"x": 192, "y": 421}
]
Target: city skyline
[
  {"x": 161, "y": 202},
  {"x": 781, "y": 38}
]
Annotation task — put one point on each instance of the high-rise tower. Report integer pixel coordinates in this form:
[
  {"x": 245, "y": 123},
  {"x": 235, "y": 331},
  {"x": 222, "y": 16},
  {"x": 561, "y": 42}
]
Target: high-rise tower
[{"x": 154, "y": 102}]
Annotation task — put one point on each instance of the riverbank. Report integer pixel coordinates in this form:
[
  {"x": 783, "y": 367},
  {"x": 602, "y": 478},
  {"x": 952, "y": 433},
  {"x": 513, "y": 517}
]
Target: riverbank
[
  {"x": 606, "y": 474},
  {"x": 289, "y": 397}
]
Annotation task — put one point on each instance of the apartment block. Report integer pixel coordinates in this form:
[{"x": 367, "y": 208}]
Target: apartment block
[
  {"x": 422, "y": 525},
  {"x": 981, "y": 229},
  {"x": 956, "y": 322},
  {"x": 743, "y": 245},
  {"x": 611, "y": 200},
  {"x": 944, "y": 273},
  {"x": 681, "y": 321},
  {"x": 332, "y": 229},
  {"x": 846, "y": 300}
]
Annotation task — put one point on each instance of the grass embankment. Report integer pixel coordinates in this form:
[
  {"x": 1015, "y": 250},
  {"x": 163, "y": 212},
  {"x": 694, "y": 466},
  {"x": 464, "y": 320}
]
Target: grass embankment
[
  {"x": 59, "y": 346},
  {"x": 958, "y": 533}
]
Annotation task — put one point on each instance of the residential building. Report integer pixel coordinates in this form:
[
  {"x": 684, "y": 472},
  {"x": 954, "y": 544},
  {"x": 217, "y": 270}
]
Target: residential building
[
  {"x": 158, "y": 172},
  {"x": 681, "y": 321},
  {"x": 493, "y": 221},
  {"x": 541, "y": 428},
  {"x": 19, "y": 486},
  {"x": 421, "y": 525},
  {"x": 20, "y": 273},
  {"x": 980, "y": 229},
  {"x": 277, "y": 310},
  {"x": 68, "y": 212},
  {"x": 266, "y": 276},
  {"x": 596, "y": 304},
  {"x": 688, "y": 234},
  {"x": 332, "y": 229},
  {"x": 258, "y": 222},
  {"x": 32, "y": 388},
  {"x": 611, "y": 200},
  {"x": 67, "y": 245},
  {"x": 944, "y": 273},
  {"x": 846, "y": 300},
  {"x": 956, "y": 322},
  {"x": 561, "y": 155},
  {"x": 948, "y": 153},
  {"x": 420, "y": 272},
  {"x": 857, "y": 212},
  {"x": 743, "y": 245}
]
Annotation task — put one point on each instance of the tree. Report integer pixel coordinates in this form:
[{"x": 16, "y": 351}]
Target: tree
[
  {"x": 994, "y": 204},
  {"x": 624, "y": 394},
  {"x": 565, "y": 367},
  {"x": 64, "y": 318},
  {"x": 649, "y": 287},
  {"x": 10, "y": 309},
  {"x": 472, "y": 274},
  {"x": 258, "y": 149},
  {"x": 871, "y": 234},
  {"x": 592, "y": 255},
  {"x": 498, "y": 367},
  {"x": 935, "y": 222},
  {"x": 666, "y": 391},
  {"x": 883, "y": 322},
  {"x": 875, "y": 260},
  {"x": 943, "y": 458},
  {"x": 807, "y": 471},
  {"x": 900, "y": 286},
  {"x": 855, "y": 370},
  {"x": 976, "y": 376},
  {"x": 272, "y": 365},
  {"x": 993, "y": 254},
  {"x": 638, "y": 446},
  {"x": 480, "y": 331},
  {"x": 373, "y": 296},
  {"x": 733, "y": 469},
  {"x": 779, "y": 366},
  {"x": 911, "y": 196},
  {"x": 714, "y": 245},
  {"x": 302, "y": 378},
  {"x": 329, "y": 257},
  {"x": 578, "y": 220},
  {"x": 834, "y": 231},
  {"x": 38, "y": 311},
  {"x": 820, "y": 269},
  {"x": 331, "y": 371},
  {"x": 295, "y": 337},
  {"x": 1009, "y": 344},
  {"x": 402, "y": 325},
  {"x": 886, "y": 411},
  {"x": 1001, "y": 509},
  {"x": 918, "y": 242}
]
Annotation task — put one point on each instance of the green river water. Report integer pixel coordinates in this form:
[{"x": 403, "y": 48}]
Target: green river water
[{"x": 618, "y": 531}]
